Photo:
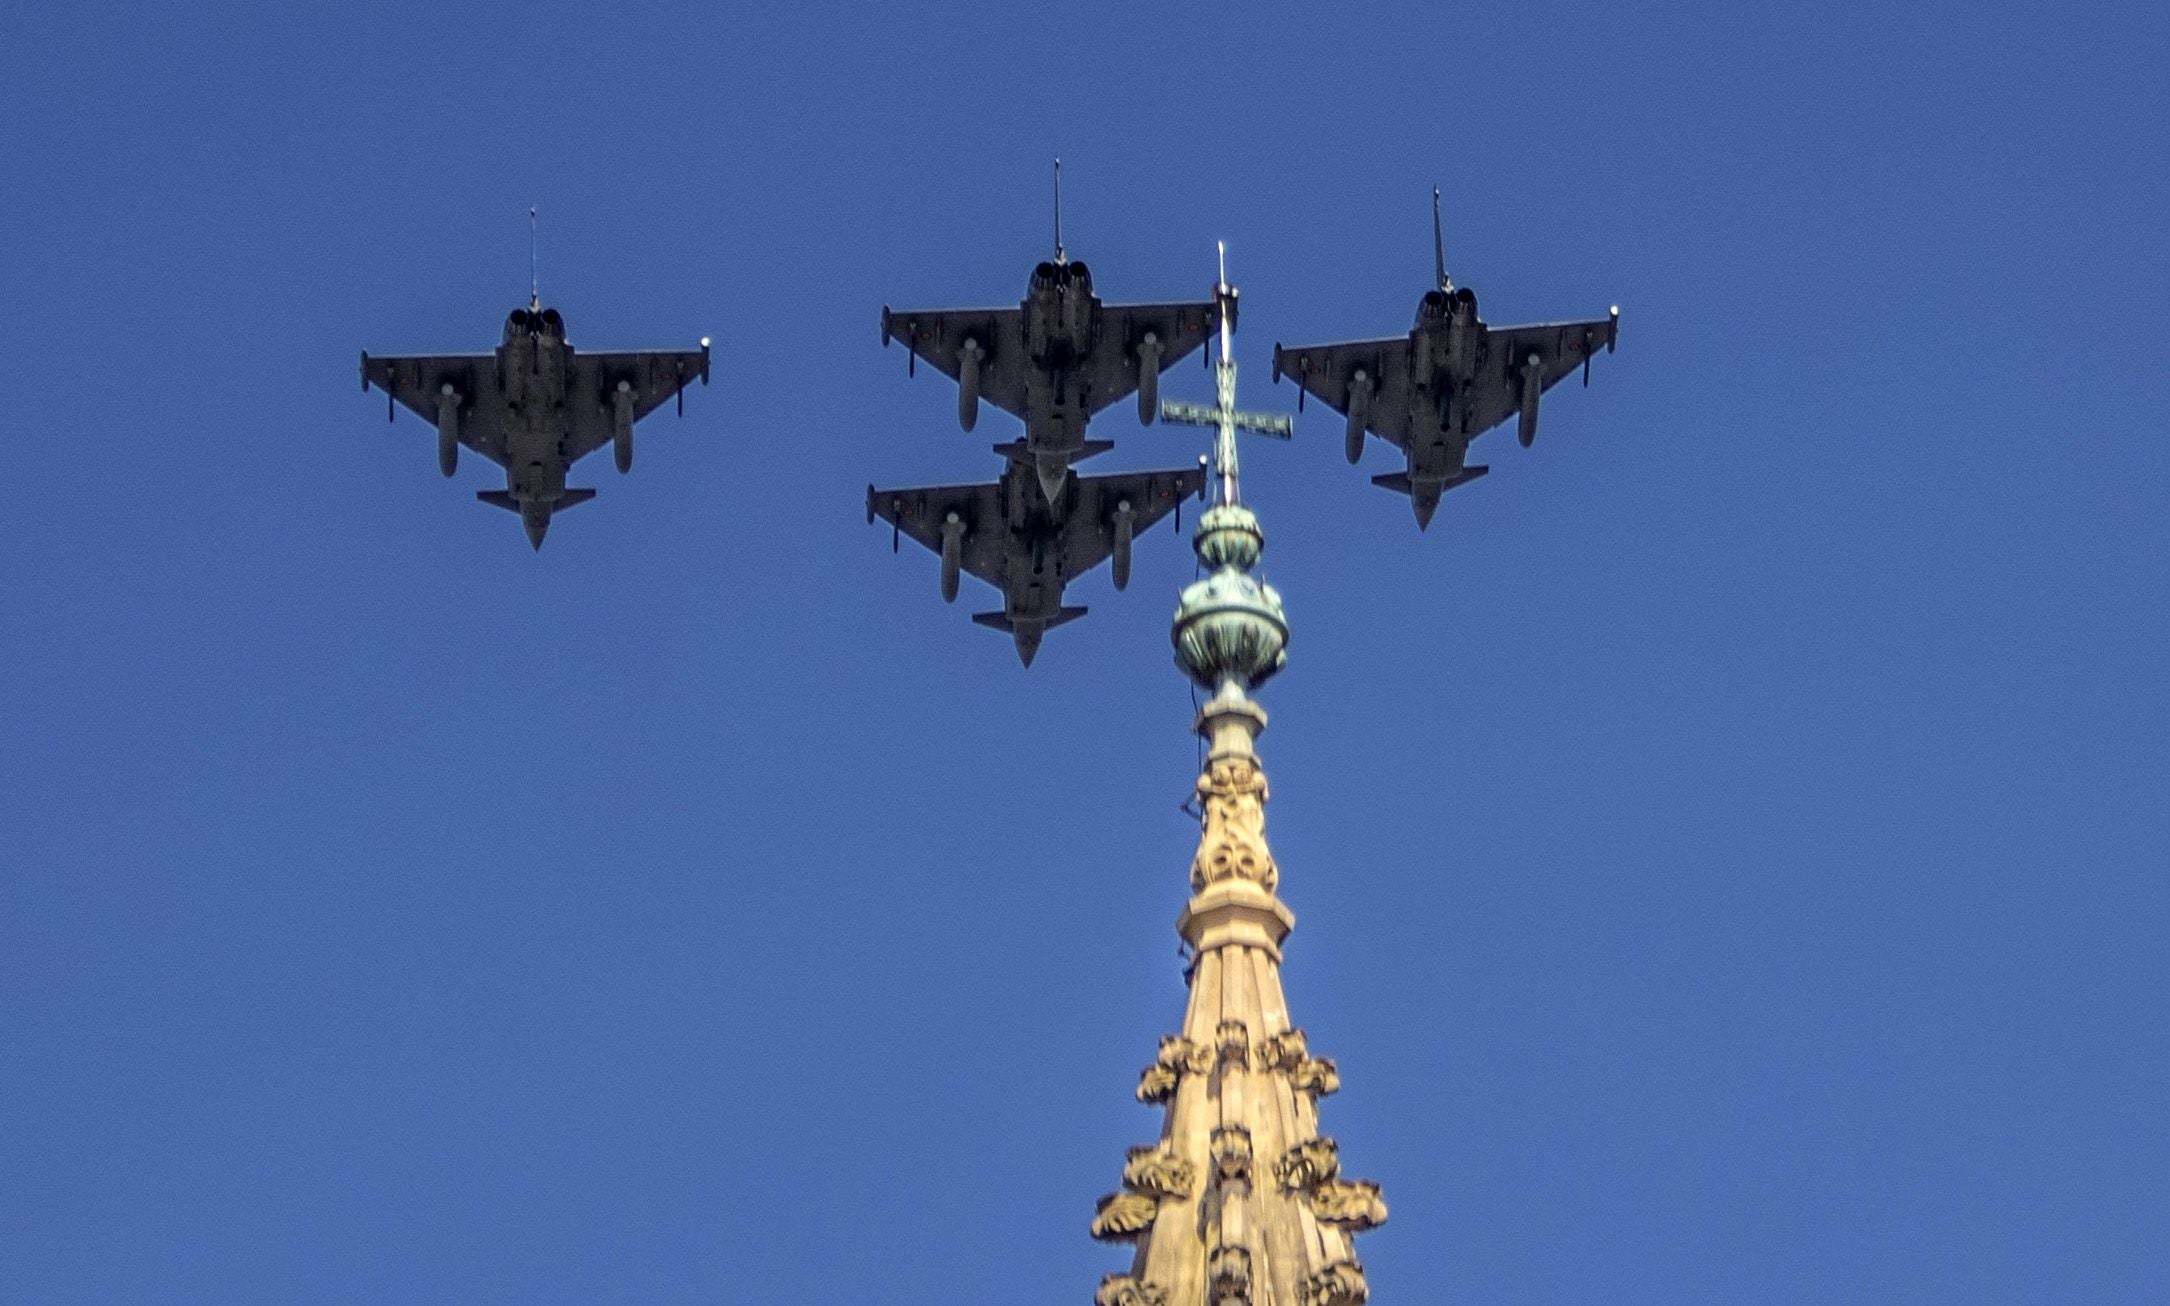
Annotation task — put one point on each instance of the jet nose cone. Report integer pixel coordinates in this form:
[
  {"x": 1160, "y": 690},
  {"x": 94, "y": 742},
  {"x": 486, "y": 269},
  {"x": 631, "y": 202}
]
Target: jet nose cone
[
  {"x": 537, "y": 527},
  {"x": 1425, "y": 505},
  {"x": 1028, "y": 645}
]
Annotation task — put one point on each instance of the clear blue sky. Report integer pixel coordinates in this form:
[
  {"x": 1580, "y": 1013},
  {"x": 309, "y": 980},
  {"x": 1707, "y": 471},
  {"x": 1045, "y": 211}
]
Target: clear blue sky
[{"x": 1730, "y": 846}]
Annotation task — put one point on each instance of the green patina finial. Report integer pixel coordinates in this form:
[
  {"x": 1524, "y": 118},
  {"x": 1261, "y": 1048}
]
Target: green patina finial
[
  {"x": 1229, "y": 627},
  {"x": 1229, "y": 535}
]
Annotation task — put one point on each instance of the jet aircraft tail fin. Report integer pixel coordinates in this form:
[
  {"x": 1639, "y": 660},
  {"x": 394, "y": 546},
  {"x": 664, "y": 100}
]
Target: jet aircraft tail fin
[{"x": 573, "y": 496}]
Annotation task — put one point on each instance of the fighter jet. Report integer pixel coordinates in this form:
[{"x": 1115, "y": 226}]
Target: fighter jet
[
  {"x": 535, "y": 407},
  {"x": 1012, "y": 536},
  {"x": 1451, "y": 379},
  {"x": 1055, "y": 360}
]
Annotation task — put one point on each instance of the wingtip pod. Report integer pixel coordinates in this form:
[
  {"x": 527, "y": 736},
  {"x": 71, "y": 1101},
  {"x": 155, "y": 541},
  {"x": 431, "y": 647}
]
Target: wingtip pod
[
  {"x": 896, "y": 517},
  {"x": 365, "y": 371},
  {"x": 1612, "y": 340}
]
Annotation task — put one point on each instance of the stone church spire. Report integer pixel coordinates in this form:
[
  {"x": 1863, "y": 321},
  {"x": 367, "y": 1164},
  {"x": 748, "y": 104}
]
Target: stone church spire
[{"x": 1241, "y": 1202}]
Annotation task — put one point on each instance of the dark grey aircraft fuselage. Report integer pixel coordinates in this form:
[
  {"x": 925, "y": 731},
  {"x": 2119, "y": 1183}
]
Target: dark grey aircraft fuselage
[
  {"x": 1445, "y": 347},
  {"x": 534, "y": 372},
  {"x": 1061, "y": 317},
  {"x": 1032, "y": 580}
]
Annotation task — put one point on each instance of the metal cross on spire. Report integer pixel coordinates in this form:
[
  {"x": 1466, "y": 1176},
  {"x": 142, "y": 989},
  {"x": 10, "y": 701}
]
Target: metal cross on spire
[{"x": 1224, "y": 415}]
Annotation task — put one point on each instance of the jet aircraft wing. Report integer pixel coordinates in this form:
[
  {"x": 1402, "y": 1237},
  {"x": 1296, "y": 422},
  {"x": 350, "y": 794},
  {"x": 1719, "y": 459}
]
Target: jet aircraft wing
[
  {"x": 1084, "y": 536},
  {"x": 417, "y": 382},
  {"x": 939, "y": 336},
  {"x": 1177, "y": 328},
  {"x": 652, "y": 377},
  {"x": 1088, "y": 529},
  {"x": 1561, "y": 347},
  {"x": 921, "y": 514},
  {"x": 1327, "y": 373}
]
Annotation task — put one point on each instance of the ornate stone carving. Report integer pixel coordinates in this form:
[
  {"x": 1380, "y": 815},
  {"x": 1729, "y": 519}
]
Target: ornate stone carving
[
  {"x": 1339, "y": 1284},
  {"x": 1125, "y": 1290},
  {"x": 1234, "y": 1040},
  {"x": 1178, "y": 1057},
  {"x": 1233, "y": 845},
  {"x": 1353, "y": 1204},
  {"x": 1228, "y": 1272},
  {"x": 1283, "y": 1051},
  {"x": 1159, "y": 1172},
  {"x": 1315, "y": 1076},
  {"x": 1306, "y": 1074},
  {"x": 1232, "y": 1153},
  {"x": 1124, "y": 1217},
  {"x": 1308, "y": 1164},
  {"x": 1189, "y": 1057},
  {"x": 1157, "y": 1084}
]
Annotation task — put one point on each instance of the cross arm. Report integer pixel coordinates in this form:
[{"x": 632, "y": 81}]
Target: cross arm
[{"x": 1278, "y": 425}]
